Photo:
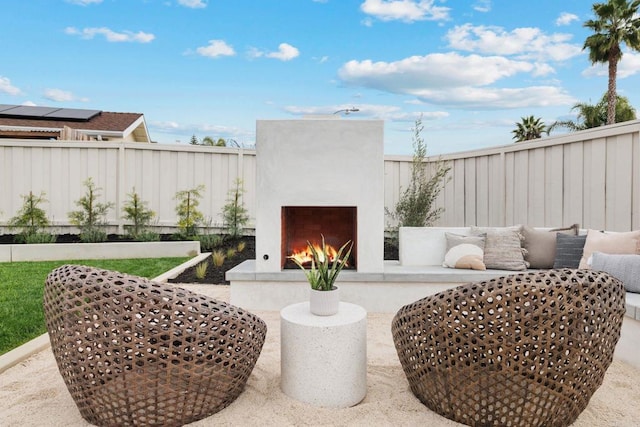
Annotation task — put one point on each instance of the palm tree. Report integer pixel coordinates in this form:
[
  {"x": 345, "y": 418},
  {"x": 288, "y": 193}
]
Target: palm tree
[
  {"x": 207, "y": 140},
  {"x": 528, "y": 128},
  {"x": 591, "y": 116},
  {"x": 617, "y": 22}
]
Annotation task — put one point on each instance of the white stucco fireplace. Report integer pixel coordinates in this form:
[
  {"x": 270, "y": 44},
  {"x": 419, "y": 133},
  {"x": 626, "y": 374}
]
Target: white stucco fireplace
[{"x": 319, "y": 176}]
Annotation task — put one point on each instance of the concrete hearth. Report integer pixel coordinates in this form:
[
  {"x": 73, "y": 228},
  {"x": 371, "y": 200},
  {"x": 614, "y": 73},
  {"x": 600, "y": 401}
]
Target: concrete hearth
[{"x": 383, "y": 292}]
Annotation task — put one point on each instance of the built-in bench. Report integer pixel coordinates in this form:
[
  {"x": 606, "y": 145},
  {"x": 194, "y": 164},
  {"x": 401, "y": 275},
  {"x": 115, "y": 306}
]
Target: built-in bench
[
  {"x": 417, "y": 273},
  {"x": 421, "y": 255}
]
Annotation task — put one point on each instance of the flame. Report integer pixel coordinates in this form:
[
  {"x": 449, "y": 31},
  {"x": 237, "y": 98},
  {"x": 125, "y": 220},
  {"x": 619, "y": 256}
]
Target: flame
[{"x": 304, "y": 256}]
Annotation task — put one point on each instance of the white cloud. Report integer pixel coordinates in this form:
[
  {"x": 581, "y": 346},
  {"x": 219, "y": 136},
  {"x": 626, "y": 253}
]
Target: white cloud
[
  {"x": 628, "y": 66},
  {"x": 60, "y": 95},
  {"x": 84, "y": 2},
  {"x": 110, "y": 35},
  {"x": 496, "y": 98},
  {"x": 29, "y": 103},
  {"x": 7, "y": 87},
  {"x": 482, "y": 6},
  {"x": 405, "y": 10},
  {"x": 194, "y": 4},
  {"x": 437, "y": 70},
  {"x": 566, "y": 18},
  {"x": 521, "y": 42},
  {"x": 285, "y": 52},
  {"x": 166, "y": 126},
  {"x": 454, "y": 79},
  {"x": 215, "y": 49}
]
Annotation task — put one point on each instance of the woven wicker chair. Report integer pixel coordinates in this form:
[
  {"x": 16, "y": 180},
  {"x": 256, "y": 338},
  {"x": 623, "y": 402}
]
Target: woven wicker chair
[
  {"x": 135, "y": 352},
  {"x": 522, "y": 350}
]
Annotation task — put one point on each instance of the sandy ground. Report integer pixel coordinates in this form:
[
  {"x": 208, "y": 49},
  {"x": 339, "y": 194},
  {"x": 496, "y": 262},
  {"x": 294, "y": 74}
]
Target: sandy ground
[{"x": 33, "y": 393}]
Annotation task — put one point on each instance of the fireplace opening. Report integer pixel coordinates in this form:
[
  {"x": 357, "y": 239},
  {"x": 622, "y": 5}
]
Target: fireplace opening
[{"x": 338, "y": 225}]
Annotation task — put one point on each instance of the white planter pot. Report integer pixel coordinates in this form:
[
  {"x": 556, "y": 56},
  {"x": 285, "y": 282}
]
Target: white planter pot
[{"x": 324, "y": 303}]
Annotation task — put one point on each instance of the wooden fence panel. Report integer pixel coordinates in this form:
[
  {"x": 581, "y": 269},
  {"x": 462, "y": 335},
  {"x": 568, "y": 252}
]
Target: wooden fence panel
[{"x": 590, "y": 177}]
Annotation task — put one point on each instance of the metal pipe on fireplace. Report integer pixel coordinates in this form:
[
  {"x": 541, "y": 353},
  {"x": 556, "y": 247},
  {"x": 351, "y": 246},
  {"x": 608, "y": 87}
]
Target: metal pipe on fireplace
[{"x": 347, "y": 111}]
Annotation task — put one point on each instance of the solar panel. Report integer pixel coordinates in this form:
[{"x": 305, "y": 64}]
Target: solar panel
[
  {"x": 72, "y": 114},
  {"x": 5, "y": 107},
  {"x": 31, "y": 111},
  {"x": 34, "y": 112}
]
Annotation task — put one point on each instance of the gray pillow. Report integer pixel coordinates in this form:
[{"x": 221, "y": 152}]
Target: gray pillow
[
  {"x": 568, "y": 250},
  {"x": 625, "y": 268}
]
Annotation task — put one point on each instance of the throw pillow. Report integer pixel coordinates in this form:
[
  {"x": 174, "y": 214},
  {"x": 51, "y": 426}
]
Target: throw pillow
[
  {"x": 610, "y": 243},
  {"x": 625, "y": 268},
  {"x": 464, "y": 252},
  {"x": 541, "y": 245},
  {"x": 502, "y": 247},
  {"x": 568, "y": 250}
]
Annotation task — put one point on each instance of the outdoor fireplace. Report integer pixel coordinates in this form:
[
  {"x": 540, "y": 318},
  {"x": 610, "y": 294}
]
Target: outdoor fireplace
[
  {"x": 321, "y": 176},
  {"x": 302, "y": 224}
]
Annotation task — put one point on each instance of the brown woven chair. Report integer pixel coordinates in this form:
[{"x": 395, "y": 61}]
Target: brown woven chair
[
  {"x": 522, "y": 350},
  {"x": 135, "y": 352}
]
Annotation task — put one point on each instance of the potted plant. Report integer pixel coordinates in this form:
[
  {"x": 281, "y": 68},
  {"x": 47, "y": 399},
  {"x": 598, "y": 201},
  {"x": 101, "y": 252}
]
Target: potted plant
[{"x": 324, "y": 298}]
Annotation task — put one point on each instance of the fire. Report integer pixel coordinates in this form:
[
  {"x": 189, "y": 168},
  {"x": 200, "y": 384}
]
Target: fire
[{"x": 304, "y": 256}]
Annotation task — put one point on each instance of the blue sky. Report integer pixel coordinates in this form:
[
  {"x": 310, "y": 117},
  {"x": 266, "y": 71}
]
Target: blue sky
[{"x": 471, "y": 69}]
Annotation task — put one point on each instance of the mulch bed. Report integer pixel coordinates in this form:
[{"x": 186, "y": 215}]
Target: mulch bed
[{"x": 215, "y": 274}]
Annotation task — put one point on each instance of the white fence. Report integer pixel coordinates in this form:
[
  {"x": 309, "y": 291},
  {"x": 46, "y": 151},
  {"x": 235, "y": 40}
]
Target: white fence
[
  {"x": 590, "y": 177},
  {"x": 155, "y": 172}
]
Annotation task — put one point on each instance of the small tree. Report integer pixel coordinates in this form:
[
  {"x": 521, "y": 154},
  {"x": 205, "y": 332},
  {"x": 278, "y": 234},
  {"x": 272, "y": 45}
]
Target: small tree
[
  {"x": 416, "y": 205},
  {"x": 91, "y": 218},
  {"x": 136, "y": 211},
  {"x": 31, "y": 220},
  {"x": 194, "y": 140},
  {"x": 234, "y": 214},
  {"x": 189, "y": 217}
]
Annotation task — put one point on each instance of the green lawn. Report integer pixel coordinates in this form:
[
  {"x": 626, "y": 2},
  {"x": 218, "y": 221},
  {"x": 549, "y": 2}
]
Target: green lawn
[{"x": 22, "y": 286}]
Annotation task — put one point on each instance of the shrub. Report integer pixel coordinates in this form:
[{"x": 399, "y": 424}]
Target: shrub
[
  {"x": 91, "y": 216},
  {"x": 201, "y": 270},
  {"x": 235, "y": 215},
  {"x": 231, "y": 252},
  {"x": 189, "y": 217},
  {"x": 416, "y": 205},
  {"x": 208, "y": 242},
  {"x": 218, "y": 258},
  {"x": 136, "y": 211},
  {"x": 31, "y": 220}
]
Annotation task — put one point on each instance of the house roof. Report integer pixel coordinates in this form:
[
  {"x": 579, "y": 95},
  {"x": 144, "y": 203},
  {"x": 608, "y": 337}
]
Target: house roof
[{"x": 90, "y": 122}]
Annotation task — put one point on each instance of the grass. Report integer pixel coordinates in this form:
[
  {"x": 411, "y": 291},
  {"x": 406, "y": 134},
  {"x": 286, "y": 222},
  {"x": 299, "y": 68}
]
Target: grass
[{"x": 22, "y": 287}]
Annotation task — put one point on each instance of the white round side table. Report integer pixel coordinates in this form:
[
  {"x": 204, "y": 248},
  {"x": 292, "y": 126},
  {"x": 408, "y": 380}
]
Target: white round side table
[{"x": 323, "y": 359}]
